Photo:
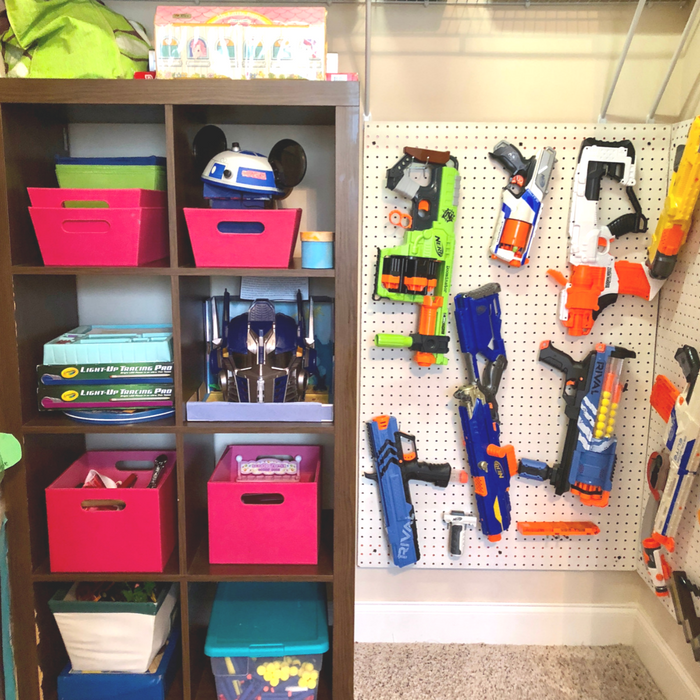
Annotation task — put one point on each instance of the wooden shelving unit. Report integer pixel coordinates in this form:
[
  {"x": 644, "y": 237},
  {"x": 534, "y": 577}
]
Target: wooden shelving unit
[{"x": 38, "y": 303}]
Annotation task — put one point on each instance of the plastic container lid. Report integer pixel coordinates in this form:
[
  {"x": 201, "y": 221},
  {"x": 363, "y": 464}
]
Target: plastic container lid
[
  {"x": 145, "y": 160},
  {"x": 267, "y": 619}
]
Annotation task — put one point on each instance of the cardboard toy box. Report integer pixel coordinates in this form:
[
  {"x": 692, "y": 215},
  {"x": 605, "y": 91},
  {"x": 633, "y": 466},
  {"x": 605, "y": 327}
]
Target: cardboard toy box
[
  {"x": 112, "y": 396},
  {"x": 242, "y": 43}
]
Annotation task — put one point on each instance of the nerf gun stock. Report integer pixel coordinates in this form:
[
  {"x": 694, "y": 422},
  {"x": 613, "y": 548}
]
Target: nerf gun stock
[
  {"x": 521, "y": 202},
  {"x": 596, "y": 278},
  {"x": 676, "y": 217},
  {"x": 419, "y": 270},
  {"x": 672, "y": 471},
  {"x": 478, "y": 317},
  {"x": 592, "y": 392},
  {"x": 396, "y": 465}
]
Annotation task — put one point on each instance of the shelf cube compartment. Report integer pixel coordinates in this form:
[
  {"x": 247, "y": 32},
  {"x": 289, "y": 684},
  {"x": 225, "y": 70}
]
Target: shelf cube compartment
[
  {"x": 79, "y": 227},
  {"x": 113, "y": 636},
  {"x": 264, "y": 522},
  {"x": 243, "y": 237},
  {"x": 112, "y": 530}
]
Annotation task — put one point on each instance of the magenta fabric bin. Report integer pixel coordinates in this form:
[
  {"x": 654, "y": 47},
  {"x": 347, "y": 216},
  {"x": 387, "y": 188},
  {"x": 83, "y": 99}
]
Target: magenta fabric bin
[
  {"x": 137, "y": 534},
  {"x": 254, "y": 522},
  {"x": 131, "y": 230},
  {"x": 243, "y": 237}
]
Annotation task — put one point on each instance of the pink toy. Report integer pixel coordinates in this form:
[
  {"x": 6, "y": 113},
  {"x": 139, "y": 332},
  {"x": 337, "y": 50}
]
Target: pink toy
[
  {"x": 131, "y": 230},
  {"x": 264, "y": 522},
  {"x": 136, "y": 534},
  {"x": 272, "y": 246}
]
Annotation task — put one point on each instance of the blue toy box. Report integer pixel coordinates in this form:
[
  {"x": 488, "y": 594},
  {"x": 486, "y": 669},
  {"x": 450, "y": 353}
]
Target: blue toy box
[{"x": 125, "y": 686}]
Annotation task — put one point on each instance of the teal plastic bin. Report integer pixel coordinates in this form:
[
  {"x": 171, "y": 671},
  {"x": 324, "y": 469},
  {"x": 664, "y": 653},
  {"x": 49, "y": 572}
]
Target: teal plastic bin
[
  {"x": 147, "y": 173},
  {"x": 267, "y": 639}
]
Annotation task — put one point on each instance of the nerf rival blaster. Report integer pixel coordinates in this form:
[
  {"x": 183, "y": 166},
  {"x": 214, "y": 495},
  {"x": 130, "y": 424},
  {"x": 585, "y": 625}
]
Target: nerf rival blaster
[
  {"x": 592, "y": 393},
  {"x": 671, "y": 471},
  {"x": 397, "y": 464},
  {"x": 478, "y": 316},
  {"x": 596, "y": 277},
  {"x": 676, "y": 217},
  {"x": 521, "y": 202},
  {"x": 419, "y": 270}
]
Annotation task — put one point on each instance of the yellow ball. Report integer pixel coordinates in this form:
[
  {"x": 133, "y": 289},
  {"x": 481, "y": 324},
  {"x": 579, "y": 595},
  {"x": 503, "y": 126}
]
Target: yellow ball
[
  {"x": 313, "y": 675},
  {"x": 312, "y": 685},
  {"x": 260, "y": 670},
  {"x": 608, "y": 433},
  {"x": 603, "y": 410},
  {"x": 275, "y": 682},
  {"x": 614, "y": 406},
  {"x": 613, "y": 413},
  {"x": 600, "y": 425},
  {"x": 599, "y": 434},
  {"x": 606, "y": 394},
  {"x": 277, "y": 664},
  {"x": 604, "y": 401},
  {"x": 308, "y": 667}
]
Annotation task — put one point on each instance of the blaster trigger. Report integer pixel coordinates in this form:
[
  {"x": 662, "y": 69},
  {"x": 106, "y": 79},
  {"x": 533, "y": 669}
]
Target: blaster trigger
[{"x": 558, "y": 277}]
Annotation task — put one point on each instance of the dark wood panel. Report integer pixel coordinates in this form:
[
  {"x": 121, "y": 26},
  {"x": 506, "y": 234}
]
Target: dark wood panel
[
  {"x": 33, "y": 137},
  {"x": 51, "y": 652},
  {"x": 159, "y": 267},
  {"x": 296, "y": 270},
  {"x": 346, "y": 382},
  {"x": 192, "y": 427},
  {"x": 170, "y": 573},
  {"x": 45, "y": 307},
  {"x": 56, "y": 423},
  {"x": 200, "y": 601},
  {"x": 260, "y": 113},
  {"x": 177, "y": 92}
]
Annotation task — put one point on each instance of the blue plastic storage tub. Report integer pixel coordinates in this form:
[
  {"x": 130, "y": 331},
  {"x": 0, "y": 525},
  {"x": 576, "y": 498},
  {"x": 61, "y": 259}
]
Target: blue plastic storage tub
[
  {"x": 125, "y": 686},
  {"x": 268, "y": 640}
]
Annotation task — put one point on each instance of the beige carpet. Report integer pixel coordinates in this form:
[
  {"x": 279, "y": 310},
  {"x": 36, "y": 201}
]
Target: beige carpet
[{"x": 488, "y": 672}]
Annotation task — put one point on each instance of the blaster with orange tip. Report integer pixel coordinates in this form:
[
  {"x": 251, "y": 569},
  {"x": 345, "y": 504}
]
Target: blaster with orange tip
[
  {"x": 597, "y": 279},
  {"x": 478, "y": 316},
  {"x": 676, "y": 217},
  {"x": 657, "y": 567},
  {"x": 419, "y": 271},
  {"x": 671, "y": 471},
  {"x": 592, "y": 392}
]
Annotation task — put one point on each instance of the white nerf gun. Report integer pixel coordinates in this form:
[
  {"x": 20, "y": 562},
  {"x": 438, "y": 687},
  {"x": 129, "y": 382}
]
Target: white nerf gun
[
  {"x": 521, "y": 202},
  {"x": 671, "y": 471},
  {"x": 596, "y": 277}
]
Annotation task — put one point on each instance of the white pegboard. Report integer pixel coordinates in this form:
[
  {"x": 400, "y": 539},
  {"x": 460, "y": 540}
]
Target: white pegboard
[
  {"x": 530, "y": 396},
  {"x": 679, "y": 324}
]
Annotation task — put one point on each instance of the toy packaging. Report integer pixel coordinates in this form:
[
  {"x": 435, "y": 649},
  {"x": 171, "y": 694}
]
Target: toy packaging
[
  {"x": 242, "y": 43},
  {"x": 114, "y": 396},
  {"x": 123, "y": 373}
]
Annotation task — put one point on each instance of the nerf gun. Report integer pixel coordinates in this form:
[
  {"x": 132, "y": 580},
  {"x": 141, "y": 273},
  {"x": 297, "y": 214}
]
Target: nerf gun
[
  {"x": 596, "y": 278},
  {"x": 676, "y": 217},
  {"x": 657, "y": 567},
  {"x": 682, "y": 592},
  {"x": 458, "y": 522},
  {"x": 478, "y": 316},
  {"x": 592, "y": 393},
  {"x": 397, "y": 464},
  {"x": 419, "y": 270},
  {"x": 521, "y": 201},
  {"x": 672, "y": 470}
]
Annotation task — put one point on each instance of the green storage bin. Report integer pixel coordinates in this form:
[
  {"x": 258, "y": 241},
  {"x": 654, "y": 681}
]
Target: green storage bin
[{"x": 112, "y": 173}]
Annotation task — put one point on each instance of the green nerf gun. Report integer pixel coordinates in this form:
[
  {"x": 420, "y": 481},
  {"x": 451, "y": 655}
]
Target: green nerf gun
[{"x": 419, "y": 270}]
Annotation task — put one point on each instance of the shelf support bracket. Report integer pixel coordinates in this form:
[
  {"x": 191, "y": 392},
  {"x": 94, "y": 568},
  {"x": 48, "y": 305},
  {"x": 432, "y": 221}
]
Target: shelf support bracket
[
  {"x": 368, "y": 57},
  {"x": 681, "y": 43},
  {"x": 602, "y": 118}
]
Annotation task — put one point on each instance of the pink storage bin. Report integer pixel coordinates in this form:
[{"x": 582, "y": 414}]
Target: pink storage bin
[
  {"x": 264, "y": 522},
  {"x": 131, "y": 231},
  {"x": 140, "y": 537},
  {"x": 271, "y": 246}
]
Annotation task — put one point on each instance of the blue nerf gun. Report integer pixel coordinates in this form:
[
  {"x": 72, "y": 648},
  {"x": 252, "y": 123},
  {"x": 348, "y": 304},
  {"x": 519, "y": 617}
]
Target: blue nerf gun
[
  {"x": 592, "y": 393},
  {"x": 397, "y": 463},
  {"x": 478, "y": 316}
]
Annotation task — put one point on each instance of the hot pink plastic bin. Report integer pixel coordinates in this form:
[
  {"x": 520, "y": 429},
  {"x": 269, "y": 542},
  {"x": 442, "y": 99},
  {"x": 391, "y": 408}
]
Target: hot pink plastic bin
[
  {"x": 273, "y": 246},
  {"x": 138, "y": 537},
  {"x": 267, "y": 532},
  {"x": 131, "y": 231}
]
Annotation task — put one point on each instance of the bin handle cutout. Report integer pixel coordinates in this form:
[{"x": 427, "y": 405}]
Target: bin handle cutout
[
  {"x": 85, "y": 204},
  {"x": 134, "y": 465},
  {"x": 240, "y": 227},
  {"x": 262, "y": 499},
  {"x": 102, "y": 504},
  {"x": 91, "y": 226}
]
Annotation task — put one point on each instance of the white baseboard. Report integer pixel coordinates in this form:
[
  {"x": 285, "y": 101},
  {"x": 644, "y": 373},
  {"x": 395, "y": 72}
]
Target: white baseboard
[
  {"x": 500, "y": 623},
  {"x": 507, "y": 623},
  {"x": 661, "y": 662}
]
